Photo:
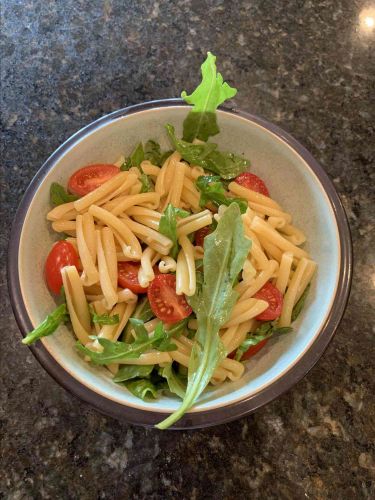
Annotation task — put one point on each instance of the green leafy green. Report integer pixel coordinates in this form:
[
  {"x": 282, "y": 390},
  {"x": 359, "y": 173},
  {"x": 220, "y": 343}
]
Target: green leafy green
[
  {"x": 212, "y": 190},
  {"x": 153, "y": 152},
  {"x": 168, "y": 226},
  {"x": 147, "y": 184},
  {"x": 175, "y": 382},
  {"x": 264, "y": 331},
  {"x": 300, "y": 304},
  {"x": 116, "y": 351},
  {"x": 141, "y": 334},
  {"x": 127, "y": 164},
  {"x": 225, "y": 251},
  {"x": 142, "y": 388},
  {"x": 206, "y": 155},
  {"x": 143, "y": 312},
  {"x": 137, "y": 156},
  {"x": 165, "y": 344},
  {"x": 127, "y": 372},
  {"x": 58, "y": 195},
  {"x": 211, "y": 92},
  {"x": 182, "y": 371},
  {"x": 178, "y": 328},
  {"x": 105, "y": 319},
  {"x": 49, "y": 325},
  {"x": 165, "y": 155},
  {"x": 135, "y": 160}
]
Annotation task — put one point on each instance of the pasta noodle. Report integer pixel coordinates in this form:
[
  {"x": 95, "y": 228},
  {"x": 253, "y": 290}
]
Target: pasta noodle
[
  {"x": 99, "y": 193},
  {"x": 90, "y": 274},
  {"x": 195, "y": 224},
  {"x": 185, "y": 271},
  {"x": 122, "y": 229},
  {"x": 262, "y": 228},
  {"x": 66, "y": 211},
  {"x": 252, "y": 196},
  {"x": 115, "y": 231},
  {"x": 106, "y": 283},
  {"x": 167, "y": 265},
  {"x": 284, "y": 271},
  {"x": 146, "y": 272},
  {"x": 77, "y": 304},
  {"x": 150, "y": 200},
  {"x": 291, "y": 293}
]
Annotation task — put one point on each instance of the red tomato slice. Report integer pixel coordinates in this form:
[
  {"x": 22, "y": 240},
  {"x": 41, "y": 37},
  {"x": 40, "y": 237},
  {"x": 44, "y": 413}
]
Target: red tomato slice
[
  {"x": 253, "y": 182},
  {"x": 86, "y": 179},
  {"x": 62, "y": 254},
  {"x": 201, "y": 234},
  {"x": 270, "y": 294},
  {"x": 254, "y": 349},
  {"x": 164, "y": 301},
  {"x": 128, "y": 276}
]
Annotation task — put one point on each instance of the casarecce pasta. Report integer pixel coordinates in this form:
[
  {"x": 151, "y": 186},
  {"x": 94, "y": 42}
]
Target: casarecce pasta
[{"x": 164, "y": 264}]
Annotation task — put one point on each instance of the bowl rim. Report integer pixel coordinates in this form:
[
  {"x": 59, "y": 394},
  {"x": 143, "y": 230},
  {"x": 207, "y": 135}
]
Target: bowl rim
[{"x": 217, "y": 415}]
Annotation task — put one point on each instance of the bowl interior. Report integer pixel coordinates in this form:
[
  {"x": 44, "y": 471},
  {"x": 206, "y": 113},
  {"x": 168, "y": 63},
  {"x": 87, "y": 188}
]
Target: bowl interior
[{"x": 291, "y": 183}]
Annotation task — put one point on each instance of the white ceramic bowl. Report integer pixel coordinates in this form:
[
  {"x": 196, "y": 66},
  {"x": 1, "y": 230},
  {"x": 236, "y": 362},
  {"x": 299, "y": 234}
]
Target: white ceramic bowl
[{"x": 294, "y": 179}]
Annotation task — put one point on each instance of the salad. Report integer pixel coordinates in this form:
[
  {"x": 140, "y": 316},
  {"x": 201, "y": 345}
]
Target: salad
[{"x": 174, "y": 267}]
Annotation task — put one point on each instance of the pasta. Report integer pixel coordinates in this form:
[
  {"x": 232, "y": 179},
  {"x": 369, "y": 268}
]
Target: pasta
[
  {"x": 116, "y": 224},
  {"x": 176, "y": 266}
]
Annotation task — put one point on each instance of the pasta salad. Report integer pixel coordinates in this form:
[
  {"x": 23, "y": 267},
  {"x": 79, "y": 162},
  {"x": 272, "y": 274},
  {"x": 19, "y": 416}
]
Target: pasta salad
[{"x": 174, "y": 268}]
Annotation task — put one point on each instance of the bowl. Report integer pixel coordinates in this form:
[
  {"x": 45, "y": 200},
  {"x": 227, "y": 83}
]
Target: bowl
[{"x": 294, "y": 179}]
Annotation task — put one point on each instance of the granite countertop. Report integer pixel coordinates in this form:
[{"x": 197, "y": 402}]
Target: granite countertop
[{"x": 307, "y": 66}]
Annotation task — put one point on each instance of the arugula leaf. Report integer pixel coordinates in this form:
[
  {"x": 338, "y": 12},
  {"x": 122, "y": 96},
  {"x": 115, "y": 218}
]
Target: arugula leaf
[
  {"x": 182, "y": 371},
  {"x": 105, "y": 319},
  {"x": 135, "y": 160},
  {"x": 127, "y": 372},
  {"x": 115, "y": 351},
  {"x": 48, "y": 326},
  {"x": 141, "y": 334},
  {"x": 165, "y": 345},
  {"x": 225, "y": 164},
  {"x": 175, "y": 382},
  {"x": 58, "y": 195},
  {"x": 211, "y": 92},
  {"x": 142, "y": 388},
  {"x": 143, "y": 312},
  {"x": 165, "y": 155},
  {"x": 225, "y": 251},
  {"x": 153, "y": 152},
  {"x": 127, "y": 164},
  {"x": 212, "y": 189},
  {"x": 137, "y": 156},
  {"x": 264, "y": 331},
  {"x": 178, "y": 328},
  {"x": 168, "y": 226},
  {"x": 300, "y": 304},
  {"x": 147, "y": 184}
]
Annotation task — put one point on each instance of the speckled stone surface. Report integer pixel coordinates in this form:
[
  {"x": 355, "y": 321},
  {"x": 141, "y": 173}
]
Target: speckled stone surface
[{"x": 305, "y": 65}]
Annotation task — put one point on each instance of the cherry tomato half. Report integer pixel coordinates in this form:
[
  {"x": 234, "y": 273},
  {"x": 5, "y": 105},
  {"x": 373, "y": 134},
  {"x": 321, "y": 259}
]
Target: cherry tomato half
[
  {"x": 128, "y": 276},
  {"x": 201, "y": 234},
  {"x": 253, "y": 182},
  {"x": 62, "y": 254},
  {"x": 164, "y": 301},
  {"x": 274, "y": 297},
  {"x": 254, "y": 349},
  {"x": 86, "y": 179}
]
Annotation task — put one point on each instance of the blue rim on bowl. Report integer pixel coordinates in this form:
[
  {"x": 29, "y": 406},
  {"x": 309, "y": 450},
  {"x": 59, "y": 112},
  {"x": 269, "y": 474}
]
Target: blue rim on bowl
[{"x": 202, "y": 418}]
